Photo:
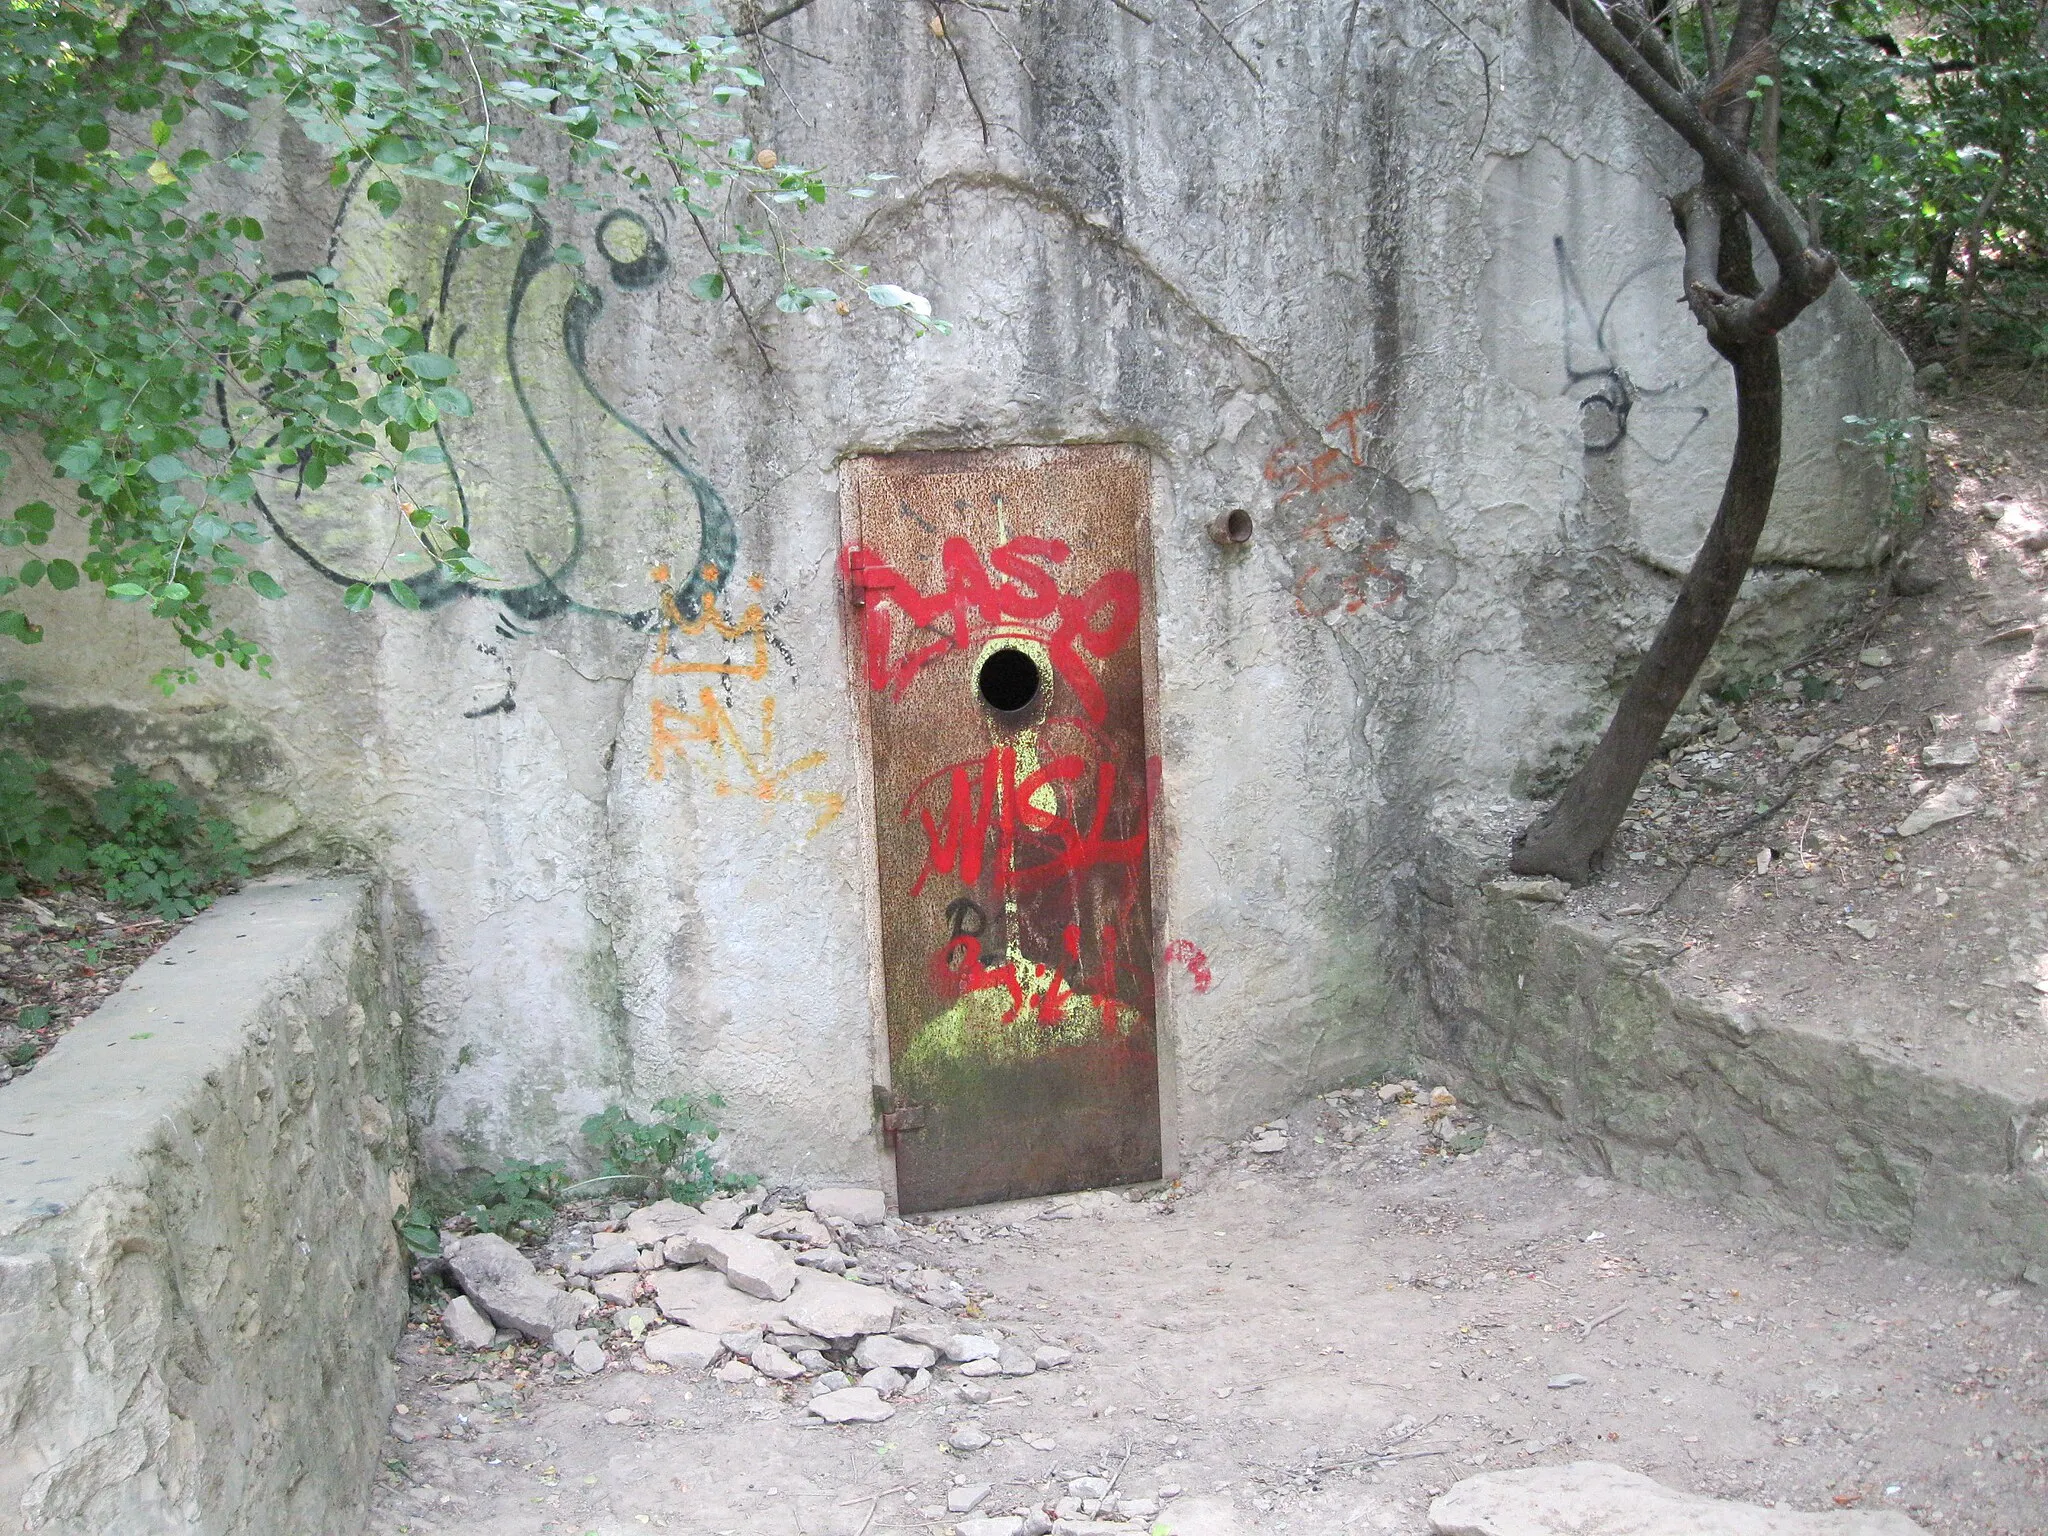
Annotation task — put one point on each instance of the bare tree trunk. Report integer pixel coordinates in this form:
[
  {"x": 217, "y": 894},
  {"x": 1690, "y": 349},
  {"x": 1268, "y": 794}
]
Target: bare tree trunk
[
  {"x": 1568, "y": 841},
  {"x": 1737, "y": 193}
]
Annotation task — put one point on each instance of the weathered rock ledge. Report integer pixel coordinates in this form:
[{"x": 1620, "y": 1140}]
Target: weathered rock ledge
[
  {"x": 1567, "y": 1029},
  {"x": 199, "y": 1282}
]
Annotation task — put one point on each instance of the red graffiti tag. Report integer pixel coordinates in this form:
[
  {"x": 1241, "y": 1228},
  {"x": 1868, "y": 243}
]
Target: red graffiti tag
[
  {"x": 1184, "y": 952},
  {"x": 1292, "y": 467},
  {"x": 1098, "y": 621},
  {"x": 968, "y": 805}
]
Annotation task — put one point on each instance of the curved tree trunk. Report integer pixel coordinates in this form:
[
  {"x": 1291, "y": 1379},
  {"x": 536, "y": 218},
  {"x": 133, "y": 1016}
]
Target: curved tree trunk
[
  {"x": 1737, "y": 194},
  {"x": 1568, "y": 840}
]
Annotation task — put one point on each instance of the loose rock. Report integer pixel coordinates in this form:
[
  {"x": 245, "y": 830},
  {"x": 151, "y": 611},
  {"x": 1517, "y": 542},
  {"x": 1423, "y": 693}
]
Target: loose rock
[
  {"x": 504, "y": 1285},
  {"x": 750, "y": 1264},
  {"x": 609, "y": 1259},
  {"x": 862, "y": 1207},
  {"x": 588, "y": 1357},
  {"x": 467, "y": 1328},
  {"x": 652, "y": 1224},
  {"x": 702, "y": 1299},
  {"x": 1597, "y": 1496},
  {"x": 882, "y": 1349},
  {"x": 1950, "y": 804},
  {"x": 851, "y": 1405},
  {"x": 961, "y": 1500},
  {"x": 1542, "y": 888},
  {"x": 968, "y": 1437},
  {"x": 774, "y": 1363},
  {"x": 684, "y": 1348},
  {"x": 963, "y": 1347},
  {"x": 833, "y": 1308},
  {"x": 885, "y": 1380},
  {"x": 1012, "y": 1360}
]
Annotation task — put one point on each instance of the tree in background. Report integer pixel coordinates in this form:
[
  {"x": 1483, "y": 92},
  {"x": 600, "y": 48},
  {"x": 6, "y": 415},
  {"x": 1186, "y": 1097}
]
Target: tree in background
[{"x": 1918, "y": 134}]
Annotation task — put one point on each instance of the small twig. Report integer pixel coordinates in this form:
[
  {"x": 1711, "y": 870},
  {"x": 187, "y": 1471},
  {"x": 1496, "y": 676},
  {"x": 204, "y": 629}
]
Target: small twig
[
  {"x": 731, "y": 292},
  {"x": 778, "y": 14},
  {"x": 945, "y": 35},
  {"x": 1131, "y": 10},
  {"x": 871, "y": 1497},
  {"x": 1586, "y": 1329},
  {"x": 1224, "y": 38},
  {"x": 1128, "y": 1451},
  {"x": 4, "y": 1132}
]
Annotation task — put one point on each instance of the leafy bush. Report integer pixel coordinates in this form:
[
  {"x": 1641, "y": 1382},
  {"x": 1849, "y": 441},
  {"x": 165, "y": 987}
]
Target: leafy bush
[
  {"x": 160, "y": 850},
  {"x": 672, "y": 1152},
  {"x": 150, "y": 844},
  {"x": 519, "y": 1197}
]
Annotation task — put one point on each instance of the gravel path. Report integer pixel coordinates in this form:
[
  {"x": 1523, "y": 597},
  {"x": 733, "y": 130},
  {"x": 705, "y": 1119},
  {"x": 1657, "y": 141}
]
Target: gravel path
[{"x": 1303, "y": 1341}]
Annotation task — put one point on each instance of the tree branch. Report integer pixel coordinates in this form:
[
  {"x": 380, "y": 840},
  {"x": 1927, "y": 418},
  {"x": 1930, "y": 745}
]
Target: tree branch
[{"x": 1727, "y": 162}]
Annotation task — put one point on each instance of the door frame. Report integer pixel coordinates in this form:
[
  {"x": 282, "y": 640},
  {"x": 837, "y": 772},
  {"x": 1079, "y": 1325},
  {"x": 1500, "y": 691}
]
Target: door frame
[{"x": 1153, "y": 516}]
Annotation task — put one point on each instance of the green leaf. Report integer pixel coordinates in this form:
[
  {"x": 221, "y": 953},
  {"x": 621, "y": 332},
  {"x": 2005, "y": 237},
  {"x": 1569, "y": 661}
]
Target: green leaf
[
  {"x": 77, "y": 460},
  {"x": 63, "y": 575},
  {"x": 128, "y": 591},
  {"x": 431, "y": 365},
  {"x": 384, "y": 196},
  {"x": 31, "y": 572},
  {"x": 358, "y": 597},
  {"x": 166, "y": 468},
  {"x": 889, "y": 296},
  {"x": 265, "y": 585},
  {"x": 708, "y": 285},
  {"x": 93, "y": 136},
  {"x": 403, "y": 595},
  {"x": 38, "y": 517}
]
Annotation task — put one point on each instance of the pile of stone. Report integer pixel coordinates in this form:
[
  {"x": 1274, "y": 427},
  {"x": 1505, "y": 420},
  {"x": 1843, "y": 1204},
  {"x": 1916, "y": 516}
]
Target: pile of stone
[{"x": 744, "y": 1293}]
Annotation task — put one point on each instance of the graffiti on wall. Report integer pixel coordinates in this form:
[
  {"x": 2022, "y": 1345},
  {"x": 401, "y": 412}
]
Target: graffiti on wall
[
  {"x": 1615, "y": 404},
  {"x": 560, "y": 487},
  {"x": 725, "y": 735},
  {"x": 1347, "y": 514},
  {"x": 1027, "y": 602}
]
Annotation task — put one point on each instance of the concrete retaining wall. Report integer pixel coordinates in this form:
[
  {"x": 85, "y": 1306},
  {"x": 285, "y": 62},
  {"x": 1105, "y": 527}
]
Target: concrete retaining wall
[
  {"x": 199, "y": 1283},
  {"x": 1567, "y": 1029}
]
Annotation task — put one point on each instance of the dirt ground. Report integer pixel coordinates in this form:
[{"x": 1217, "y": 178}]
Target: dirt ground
[
  {"x": 1302, "y": 1342},
  {"x": 1933, "y": 946},
  {"x": 62, "y": 954}
]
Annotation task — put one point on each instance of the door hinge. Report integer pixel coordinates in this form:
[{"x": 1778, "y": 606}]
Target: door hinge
[{"x": 896, "y": 1118}]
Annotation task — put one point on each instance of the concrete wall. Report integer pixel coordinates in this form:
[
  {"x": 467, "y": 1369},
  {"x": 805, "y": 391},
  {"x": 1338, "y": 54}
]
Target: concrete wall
[
  {"x": 1336, "y": 281},
  {"x": 199, "y": 1283},
  {"x": 1568, "y": 1029}
]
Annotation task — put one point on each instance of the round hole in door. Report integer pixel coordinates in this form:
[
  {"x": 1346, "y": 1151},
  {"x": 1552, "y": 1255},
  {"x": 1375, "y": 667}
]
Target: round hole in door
[{"x": 1008, "y": 681}]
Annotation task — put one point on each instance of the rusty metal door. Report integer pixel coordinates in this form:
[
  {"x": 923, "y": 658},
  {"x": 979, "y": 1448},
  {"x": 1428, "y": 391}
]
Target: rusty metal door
[{"x": 999, "y": 598}]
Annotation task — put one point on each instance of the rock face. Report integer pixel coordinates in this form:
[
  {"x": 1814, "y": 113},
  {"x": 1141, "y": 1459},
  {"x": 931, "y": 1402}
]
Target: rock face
[
  {"x": 503, "y": 1283},
  {"x": 1155, "y": 180},
  {"x": 199, "y": 1283},
  {"x": 1596, "y": 1498}
]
